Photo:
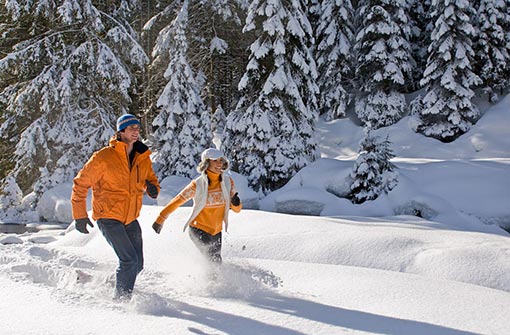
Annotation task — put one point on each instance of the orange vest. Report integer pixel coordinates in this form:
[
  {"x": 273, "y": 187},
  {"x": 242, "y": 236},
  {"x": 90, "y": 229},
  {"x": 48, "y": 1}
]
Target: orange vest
[{"x": 117, "y": 188}]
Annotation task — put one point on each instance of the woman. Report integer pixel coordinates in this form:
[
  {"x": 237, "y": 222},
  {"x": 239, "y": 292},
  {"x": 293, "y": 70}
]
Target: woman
[{"x": 213, "y": 194}]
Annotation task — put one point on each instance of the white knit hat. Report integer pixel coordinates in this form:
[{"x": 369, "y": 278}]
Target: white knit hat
[{"x": 212, "y": 153}]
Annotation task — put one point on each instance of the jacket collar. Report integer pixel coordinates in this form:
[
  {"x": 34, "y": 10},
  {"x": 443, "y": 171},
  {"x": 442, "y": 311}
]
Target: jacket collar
[
  {"x": 138, "y": 146},
  {"x": 212, "y": 175}
]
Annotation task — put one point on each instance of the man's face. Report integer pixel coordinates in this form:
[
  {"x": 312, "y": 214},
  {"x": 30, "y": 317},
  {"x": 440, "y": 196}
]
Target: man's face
[{"x": 130, "y": 134}]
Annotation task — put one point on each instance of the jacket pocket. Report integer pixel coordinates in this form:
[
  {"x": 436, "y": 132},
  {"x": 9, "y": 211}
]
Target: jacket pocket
[{"x": 110, "y": 207}]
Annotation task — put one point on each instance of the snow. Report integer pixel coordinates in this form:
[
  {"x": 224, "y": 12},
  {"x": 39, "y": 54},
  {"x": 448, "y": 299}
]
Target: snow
[
  {"x": 282, "y": 275},
  {"x": 373, "y": 268}
]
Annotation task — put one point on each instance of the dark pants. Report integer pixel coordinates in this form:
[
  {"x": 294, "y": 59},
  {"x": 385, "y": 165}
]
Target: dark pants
[
  {"x": 208, "y": 244},
  {"x": 126, "y": 241}
]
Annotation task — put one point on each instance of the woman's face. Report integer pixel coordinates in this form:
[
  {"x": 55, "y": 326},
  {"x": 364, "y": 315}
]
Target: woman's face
[{"x": 216, "y": 165}]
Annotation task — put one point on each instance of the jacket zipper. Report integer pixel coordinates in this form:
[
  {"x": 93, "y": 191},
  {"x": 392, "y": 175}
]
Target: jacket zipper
[{"x": 137, "y": 180}]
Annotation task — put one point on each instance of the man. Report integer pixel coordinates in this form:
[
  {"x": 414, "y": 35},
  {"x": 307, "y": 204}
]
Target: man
[{"x": 118, "y": 174}]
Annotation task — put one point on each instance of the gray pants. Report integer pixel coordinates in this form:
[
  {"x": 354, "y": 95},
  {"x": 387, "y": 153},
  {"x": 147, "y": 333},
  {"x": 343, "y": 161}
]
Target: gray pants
[{"x": 208, "y": 244}]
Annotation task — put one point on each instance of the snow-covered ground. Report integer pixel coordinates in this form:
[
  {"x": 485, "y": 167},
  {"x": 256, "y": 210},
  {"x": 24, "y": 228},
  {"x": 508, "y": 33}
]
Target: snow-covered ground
[
  {"x": 283, "y": 274},
  {"x": 373, "y": 268}
]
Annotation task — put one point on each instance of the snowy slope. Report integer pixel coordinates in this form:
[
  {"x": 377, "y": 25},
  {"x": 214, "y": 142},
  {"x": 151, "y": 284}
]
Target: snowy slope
[
  {"x": 282, "y": 275},
  {"x": 357, "y": 269}
]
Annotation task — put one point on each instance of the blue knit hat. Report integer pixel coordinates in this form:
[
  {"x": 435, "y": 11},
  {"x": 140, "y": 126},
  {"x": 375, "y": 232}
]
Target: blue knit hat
[{"x": 126, "y": 120}]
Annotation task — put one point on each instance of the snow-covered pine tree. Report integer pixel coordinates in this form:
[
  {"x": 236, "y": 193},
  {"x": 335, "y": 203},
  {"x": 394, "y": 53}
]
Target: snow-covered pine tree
[
  {"x": 506, "y": 26},
  {"x": 218, "y": 123},
  {"x": 421, "y": 28},
  {"x": 270, "y": 135},
  {"x": 373, "y": 172},
  {"x": 492, "y": 48},
  {"x": 70, "y": 71},
  {"x": 334, "y": 61},
  {"x": 158, "y": 16},
  {"x": 183, "y": 125},
  {"x": 313, "y": 11},
  {"x": 448, "y": 111},
  {"x": 219, "y": 119},
  {"x": 218, "y": 48},
  {"x": 11, "y": 201},
  {"x": 384, "y": 61}
]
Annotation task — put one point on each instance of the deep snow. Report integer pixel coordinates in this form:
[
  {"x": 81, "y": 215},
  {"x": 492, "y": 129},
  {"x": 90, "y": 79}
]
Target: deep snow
[{"x": 373, "y": 268}]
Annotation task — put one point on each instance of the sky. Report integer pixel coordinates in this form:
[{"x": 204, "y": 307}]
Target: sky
[{"x": 302, "y": 260}]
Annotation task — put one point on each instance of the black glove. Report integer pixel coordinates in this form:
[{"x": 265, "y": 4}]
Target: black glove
[
  {"x": 235, "y": 201},
  {"x": 152, "y": 190},
  {"x": 157, "y": 227},
  {"x": 81, "y": 225}
]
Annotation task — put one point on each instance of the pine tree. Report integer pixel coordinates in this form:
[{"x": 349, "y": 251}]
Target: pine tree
[
  {"x": 270, "y": 135},
  {"x": 70, "y": 71},
  {"x": 183, "y": 125},
  {"x": 158, "y": 16},
  {"x": 334, "y": 48},
  {"x": 217, "y": 51},
  {"x": 218, "y": 48},
  {"x": 492, "y": 50},
  {"x": 506, "y": 29},
  {"x": 448, "y": 111},
  {"x": 373, "y": 172},
  {"x": 12, "y": 200},
  {"x": 384, "y": 62},
  {"x": 420, "y": 28},
  {"x": 219, "y": 120}
]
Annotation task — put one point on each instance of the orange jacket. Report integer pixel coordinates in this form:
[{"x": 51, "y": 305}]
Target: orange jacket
[
  {"x": 210, "y": 219},
  {"x": 117, "y": 189}
]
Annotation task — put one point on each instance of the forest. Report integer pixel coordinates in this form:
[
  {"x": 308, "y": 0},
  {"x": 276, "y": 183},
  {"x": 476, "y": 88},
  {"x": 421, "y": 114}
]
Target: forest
[{"x": 257, "y": 75}]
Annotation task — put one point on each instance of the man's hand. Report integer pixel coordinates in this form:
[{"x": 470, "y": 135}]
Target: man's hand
[
  {"x": 81, "y": 225},
  {"x": 152, "y": 190},
  {"x": 157, "y": 227},
  {"x": 235, "y": 201}
]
